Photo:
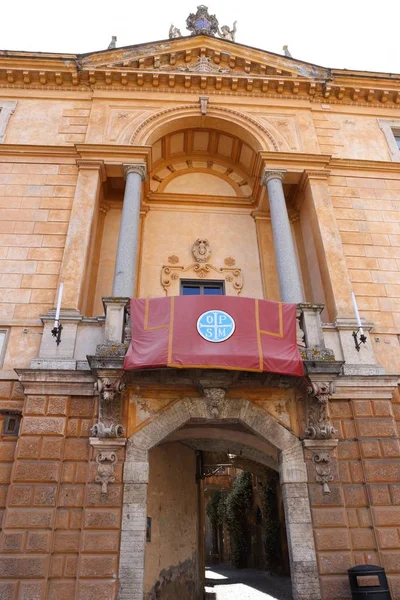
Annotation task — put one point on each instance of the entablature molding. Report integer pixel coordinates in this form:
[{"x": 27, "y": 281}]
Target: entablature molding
[{"x": 194, "y": 63}]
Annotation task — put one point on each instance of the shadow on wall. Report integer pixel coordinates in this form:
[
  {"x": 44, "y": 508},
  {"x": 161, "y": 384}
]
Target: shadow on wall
[{"x": 178, "y": 581}]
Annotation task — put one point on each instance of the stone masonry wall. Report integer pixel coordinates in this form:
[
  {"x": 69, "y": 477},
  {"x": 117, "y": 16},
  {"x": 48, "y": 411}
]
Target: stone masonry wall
[
  {"x": 35, "y": 204},
  {"x": 367, "y": 210},
  {"x": 359, "y": 522},
  {"x": 60, "y": 535}
]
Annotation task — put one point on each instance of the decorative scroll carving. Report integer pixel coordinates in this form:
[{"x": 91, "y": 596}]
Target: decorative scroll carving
[
  {"x": 319, "y": 425},
  {"x": 106, "y": 461},
  {"x": 214, "y": 398},
  {"x": 110, "y": 407},
  {"x": 201, "y": 250},
  {"x": 322, "y": 462},
  {"x": 232, "y": 275}
]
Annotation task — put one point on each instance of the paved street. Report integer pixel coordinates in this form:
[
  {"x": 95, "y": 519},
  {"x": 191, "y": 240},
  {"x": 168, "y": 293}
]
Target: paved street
[{"x": 227, "y": 583}]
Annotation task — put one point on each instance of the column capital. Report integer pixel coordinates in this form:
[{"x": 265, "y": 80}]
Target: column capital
[
  {"x": 269, "y": 174},
  {"x": 92, "y": 165},
  {"x": 139, "y": 168}
]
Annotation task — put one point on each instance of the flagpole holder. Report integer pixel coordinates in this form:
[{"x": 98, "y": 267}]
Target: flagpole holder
[{"x": 56, "y": 332}]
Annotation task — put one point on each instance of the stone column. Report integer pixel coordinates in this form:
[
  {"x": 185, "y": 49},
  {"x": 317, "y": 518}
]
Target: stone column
[
  {"x": 77, "y": 246},
  {"x": 286, "y": 258},
  {"x": 125, "y": 265}
]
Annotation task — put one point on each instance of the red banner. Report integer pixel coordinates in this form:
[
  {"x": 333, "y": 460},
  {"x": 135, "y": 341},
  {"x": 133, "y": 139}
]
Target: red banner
[{"x": 214, "y": 332}]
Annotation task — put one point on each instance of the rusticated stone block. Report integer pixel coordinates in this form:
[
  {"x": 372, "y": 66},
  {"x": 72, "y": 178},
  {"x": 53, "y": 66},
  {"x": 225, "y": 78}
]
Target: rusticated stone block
[
  {"x": 102, "y": 519},
  {"x": 348, "y": 450},
  {"x": 335, "y": 587},
  {"x": 332, "y": 539},
  {"x": 386, "y": 515},
  {"x": 317, "y": 497},
  {"x": 70, "y": 566},
  {"x": 334, "y": 562},
  {"x": 376, "y": 427},
  {"x": 390, "y": 448},
  {"x": 362, "y": 539},
  {"x": 70, "y": 496},
  {"x": 340, "y": 409},
  {"x": 98, "y": 566},
  {"x": 38, "y": 542},
  {"x": 11, "y": 542},
  {"x": 371, "y": 448},
  {"x": 379, "y": 494},
  {"x": 20, "y": 495},
  {"x": 382, "y": 408},
  {"x": 19, "y": 518},
  {"x": 52, "y": 448},
  {"x": 329, "y": 517},
  {"x": 43, "y": 425},
  {"x": 21, "y": 567},
  {"x": 36, "y": 471},
  {"x": 391, "y": 560},
  {"x": 91, "y": 590},
  {"x": 57, "y": 566},
  {"x": 66, "y": 542},
  {"x": 355, "y": 495},
  {"x": 356, "y": 471},
  {"x": 5, "y": 472},
  {"x": 362, "y": 408},
  {"x": 7, "y": 451},
  {"x": 388, "y": 538},
  {"x": 76, "y": 449},
  {"x": 349, "y": 430},
  {"x": 28, "y": 447},
  {"x": 61, "y": 590},
  {"x": 35, "y": 405},
  {"x": 57, "y": 405},
  {"x": 395, "y": 494},
  {"x": 386, "y": 471},
  {"x": 8, "y": 590},
  {"x": 94, "y": 497},
  {"x": 101, "y": 542},
  {"x": 82, "y": 407},
  {"x": 364, "y": 517},
  {"x": 45, "y": 495}
]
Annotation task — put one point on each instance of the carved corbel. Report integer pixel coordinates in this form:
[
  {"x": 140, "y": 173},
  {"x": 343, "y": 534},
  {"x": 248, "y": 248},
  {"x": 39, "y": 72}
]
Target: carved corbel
[
  {"x": 319, "y": 426},
  {"x": 322, "y": 463},
  {"x": 214, "y": 401},
  {"x": 106, "y": 461},
  {"x": 322, "y": 460},
  {"x": 110, "y": 407}
]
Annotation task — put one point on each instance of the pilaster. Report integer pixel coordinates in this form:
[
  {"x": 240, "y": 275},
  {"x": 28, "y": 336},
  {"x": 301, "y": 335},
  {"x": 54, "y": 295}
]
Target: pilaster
[{"x": 75, "y": 261}]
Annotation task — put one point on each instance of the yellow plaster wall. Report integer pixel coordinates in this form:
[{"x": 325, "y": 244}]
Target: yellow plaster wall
[
  {"x": 49, "y": 121},
  {"x": 172, "y": 506},
  {"x": 173, "y": 231},
  {"x": 352, "y": 132}
]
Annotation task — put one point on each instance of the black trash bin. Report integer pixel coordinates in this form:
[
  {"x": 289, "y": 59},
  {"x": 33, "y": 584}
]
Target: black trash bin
[{"x": 368, "y": 582}]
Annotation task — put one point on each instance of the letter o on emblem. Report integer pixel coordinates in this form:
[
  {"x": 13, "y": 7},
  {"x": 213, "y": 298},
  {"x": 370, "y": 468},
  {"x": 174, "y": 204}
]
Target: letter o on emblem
[{"x": 215, "y": 326}]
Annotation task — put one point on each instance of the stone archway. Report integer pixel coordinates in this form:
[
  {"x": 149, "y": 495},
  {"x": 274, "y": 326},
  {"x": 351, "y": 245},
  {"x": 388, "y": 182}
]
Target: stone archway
[{"x": 293, "y": 478}]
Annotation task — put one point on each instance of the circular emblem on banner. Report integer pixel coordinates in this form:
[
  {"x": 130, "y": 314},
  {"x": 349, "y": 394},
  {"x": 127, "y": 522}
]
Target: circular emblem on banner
[{"x": 215, "y": 326}]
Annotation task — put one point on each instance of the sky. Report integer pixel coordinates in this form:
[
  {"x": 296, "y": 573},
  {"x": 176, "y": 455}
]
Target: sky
[{"x": 351, "y": 34}]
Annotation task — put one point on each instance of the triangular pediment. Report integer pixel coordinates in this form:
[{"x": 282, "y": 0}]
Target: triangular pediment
[{"x": 204, "y": 55}]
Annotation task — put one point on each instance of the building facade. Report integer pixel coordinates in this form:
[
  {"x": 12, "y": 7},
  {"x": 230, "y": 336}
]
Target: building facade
[{"x": 193, "y": 161}]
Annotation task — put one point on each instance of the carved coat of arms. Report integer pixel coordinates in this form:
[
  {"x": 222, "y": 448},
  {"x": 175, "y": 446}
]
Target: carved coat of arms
[
  {"x": 202, "y": 22},
  {"x": 201, "y": 250}
]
